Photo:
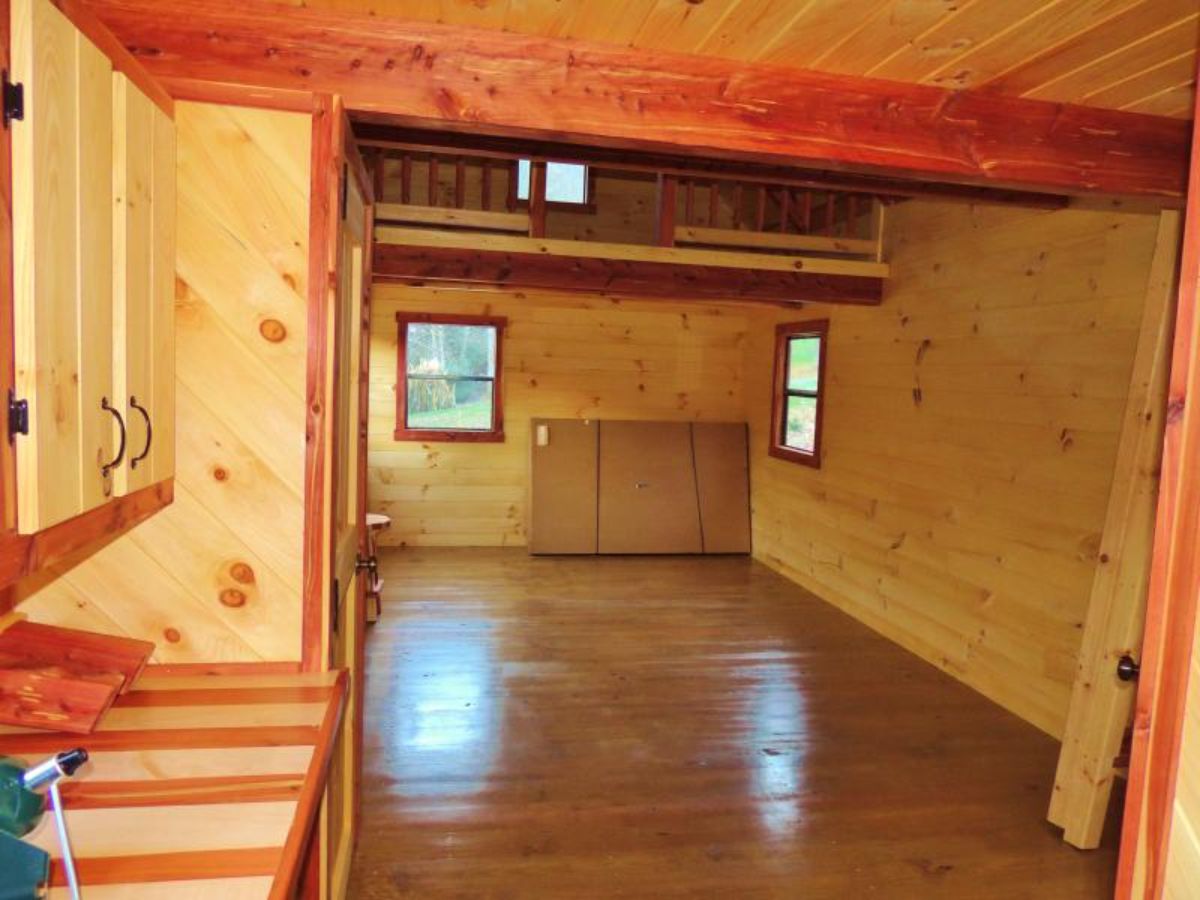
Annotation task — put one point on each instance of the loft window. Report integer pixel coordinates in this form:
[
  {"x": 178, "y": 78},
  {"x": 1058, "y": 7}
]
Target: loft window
[
  {"x": 448, "y": 378},
  {"x": 796, "y": 409},
  {"x": 566, "y": 183}
]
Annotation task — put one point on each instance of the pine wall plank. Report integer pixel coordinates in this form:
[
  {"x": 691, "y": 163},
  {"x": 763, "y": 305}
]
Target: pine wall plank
[
  {"x": 970, "y": 435},
  {"x": 564, "y": 357},
  {"x": 217, "y": 576}
]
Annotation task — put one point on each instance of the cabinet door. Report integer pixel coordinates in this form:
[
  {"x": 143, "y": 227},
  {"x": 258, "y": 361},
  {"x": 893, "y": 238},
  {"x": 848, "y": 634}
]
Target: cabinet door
[
  {"x": 143, "y": 277},
  {"x": 563, "y": 489},
  {"x": 648, "y": 501},
  {"x": 62, "y": 253}
]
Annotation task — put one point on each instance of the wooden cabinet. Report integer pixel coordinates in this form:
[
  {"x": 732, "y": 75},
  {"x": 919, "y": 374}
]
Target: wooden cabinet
[
  {"x": 648, "y": 489},
  {"x": 93, "y": 272},
  {"x": 562, "y": 486},
  {"x": 638, "y": 487}
]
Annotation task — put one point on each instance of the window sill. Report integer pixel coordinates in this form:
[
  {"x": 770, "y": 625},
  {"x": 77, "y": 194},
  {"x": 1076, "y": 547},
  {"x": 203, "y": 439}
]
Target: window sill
[
  {"x": 812, "y": 460},
  {"x": 449, "y": 437}
]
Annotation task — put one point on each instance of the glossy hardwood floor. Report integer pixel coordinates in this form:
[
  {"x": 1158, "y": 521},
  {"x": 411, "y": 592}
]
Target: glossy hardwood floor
[{"x": 699, "y": 727}]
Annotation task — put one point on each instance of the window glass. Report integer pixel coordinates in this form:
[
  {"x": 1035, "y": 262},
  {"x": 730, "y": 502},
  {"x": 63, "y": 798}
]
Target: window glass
[
  {"x": 800, "y": 429},
  {"x": 565, "y": 182},
  {"x": 804, "y": 363},
  {"x": 450, "y": 377}
]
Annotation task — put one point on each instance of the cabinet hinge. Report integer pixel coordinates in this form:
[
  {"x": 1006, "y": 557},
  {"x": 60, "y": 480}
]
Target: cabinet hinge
[
  {"x": 335, "y": 605},
  {"x": 18, "y": 415},
  {"x": 13, "y": 99}
]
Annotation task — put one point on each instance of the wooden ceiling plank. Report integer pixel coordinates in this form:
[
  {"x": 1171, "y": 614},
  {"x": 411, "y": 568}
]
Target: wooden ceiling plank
[
  {"x": 506, "y": 85},
  {"x": 1128, "y": 91},
  {"x": 969, "y": 50},
  {"x": 1007, "y": 50},
  {"x": 1170, "y": 101},
  {"x": 753, "y": 25},
  {"x": 546, "y": 18},
  {"x": 893, "y": 26},
  {"x": 821, "y": 32},
  {"x": 1136, "y": 57},
  {"x": 1095, "y": 45},
  {"x": 681, "y": 27},
  {"x": 612, "y": 22}
]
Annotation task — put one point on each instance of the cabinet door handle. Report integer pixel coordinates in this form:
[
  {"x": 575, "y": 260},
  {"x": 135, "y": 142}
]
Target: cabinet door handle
[
  {"x": 133, "y": 463},
  {"x": 108, "y": 467}
]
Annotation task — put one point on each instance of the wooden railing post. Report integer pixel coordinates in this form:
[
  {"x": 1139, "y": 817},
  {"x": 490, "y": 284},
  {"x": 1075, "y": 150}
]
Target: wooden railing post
[
  {"x": 667, "y": 185},
  {"x": 537, "y": 199}
]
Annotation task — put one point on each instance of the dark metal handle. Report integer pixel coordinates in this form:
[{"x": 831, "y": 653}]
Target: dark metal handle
[
  {"x": 108, "y": 467},
  {"x": 1128, "y": 668},
  {"x": 133, "y": 463}
]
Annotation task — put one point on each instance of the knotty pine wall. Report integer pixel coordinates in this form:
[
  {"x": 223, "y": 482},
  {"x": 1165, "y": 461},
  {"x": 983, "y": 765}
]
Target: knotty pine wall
[
  {"x": 970, "y": 436},
  {"x": 217, "y": 575},
  {"x": 564, "y": 356}
]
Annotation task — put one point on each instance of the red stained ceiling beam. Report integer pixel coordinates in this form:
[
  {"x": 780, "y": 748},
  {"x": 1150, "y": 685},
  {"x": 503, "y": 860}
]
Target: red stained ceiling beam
[{"x": 491, "y": 82}]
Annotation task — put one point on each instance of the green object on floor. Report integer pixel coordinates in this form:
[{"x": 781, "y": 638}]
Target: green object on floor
[
  {"x": 20, "y": 808},
  {"x": 24, "y": 869}
]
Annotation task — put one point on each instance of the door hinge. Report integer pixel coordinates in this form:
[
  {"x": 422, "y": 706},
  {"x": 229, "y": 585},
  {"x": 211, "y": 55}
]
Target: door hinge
[
  {"x": 14, "y": 100},
  {"x": 335, "y": 603},
  {"x": 344, "y": 200},
  {"x": 18, "y": 415}
]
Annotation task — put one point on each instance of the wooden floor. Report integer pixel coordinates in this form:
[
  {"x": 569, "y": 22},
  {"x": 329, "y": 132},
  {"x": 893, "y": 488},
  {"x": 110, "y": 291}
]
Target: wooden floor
[{"x": 698, "y": 727}]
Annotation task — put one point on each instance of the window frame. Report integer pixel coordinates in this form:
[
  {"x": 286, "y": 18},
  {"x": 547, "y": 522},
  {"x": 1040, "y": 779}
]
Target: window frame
[
  {"x": 402, "y": 432},
  {"x": 589, "y": 204},
  {"x": 784, "y": 333}
]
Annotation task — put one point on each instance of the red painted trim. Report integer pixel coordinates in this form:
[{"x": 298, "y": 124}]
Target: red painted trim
[
  {"x": 22, "y": 555},
  {"x": 463, "y": 79},
  {"x": 122, "y": 60},
  {"x": 325, "y": 176},
  {"x": 1171, "y": 609},
  {"x": 310, "y": 798},
  {"x": 783, "y": 333},
  {"x": 495, "y": 434}
]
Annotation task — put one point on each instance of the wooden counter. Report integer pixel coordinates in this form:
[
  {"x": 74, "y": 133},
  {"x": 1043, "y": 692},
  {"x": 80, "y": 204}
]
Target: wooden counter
[{"x": 198, "y": 786}]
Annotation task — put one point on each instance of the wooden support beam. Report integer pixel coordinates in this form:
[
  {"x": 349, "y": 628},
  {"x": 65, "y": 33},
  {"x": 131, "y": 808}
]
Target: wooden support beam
[
  {"x": 701, "y": 258},
  {"x": 1101, "y": 704},
  {"x": 506, "y": 84},
  {"x": 617, "y": 277}
]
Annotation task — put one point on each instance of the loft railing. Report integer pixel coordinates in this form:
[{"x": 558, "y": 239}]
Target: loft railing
[{"x": 462, "y": 191}]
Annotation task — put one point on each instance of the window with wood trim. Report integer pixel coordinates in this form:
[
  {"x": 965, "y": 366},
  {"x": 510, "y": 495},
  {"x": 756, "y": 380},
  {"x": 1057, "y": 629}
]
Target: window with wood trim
[
  {"x": 448, "y": 380},
  {"x": 798, "y": 400}
]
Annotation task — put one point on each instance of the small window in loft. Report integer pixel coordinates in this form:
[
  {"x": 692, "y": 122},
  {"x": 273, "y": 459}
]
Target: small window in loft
[{"x": 565, "y": 182}]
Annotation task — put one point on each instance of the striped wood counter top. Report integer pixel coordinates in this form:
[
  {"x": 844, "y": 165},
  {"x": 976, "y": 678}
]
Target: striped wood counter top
[{"x": 198, "y": 786}]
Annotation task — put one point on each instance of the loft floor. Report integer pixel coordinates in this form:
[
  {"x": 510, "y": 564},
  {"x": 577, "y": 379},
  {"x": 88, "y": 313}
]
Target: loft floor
[{"x": 682, "y": 727}]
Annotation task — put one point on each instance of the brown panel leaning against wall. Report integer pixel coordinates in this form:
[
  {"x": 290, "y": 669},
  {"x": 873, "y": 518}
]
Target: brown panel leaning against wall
[
  {"x": 648, "y": 489},
  {"x": 563, "y": 485},
  {"x": 723, "y": 485}
]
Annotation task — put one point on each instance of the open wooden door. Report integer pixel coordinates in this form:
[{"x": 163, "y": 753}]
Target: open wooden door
[
  {"x": 349, "y": 346},
  {"x": 1160, "y": 847}
]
